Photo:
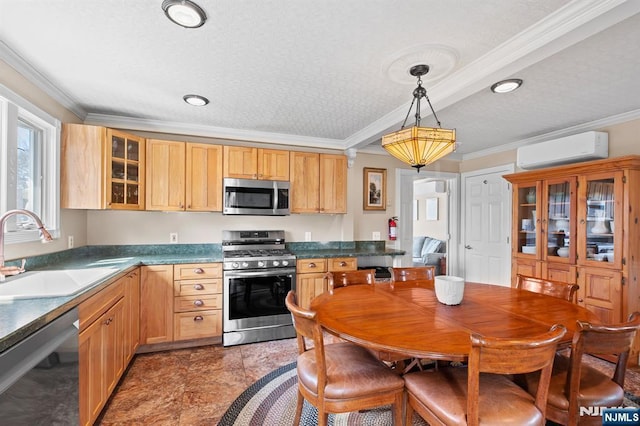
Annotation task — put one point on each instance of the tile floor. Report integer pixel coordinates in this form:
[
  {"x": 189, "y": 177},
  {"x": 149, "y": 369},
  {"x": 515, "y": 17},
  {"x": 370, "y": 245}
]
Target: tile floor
[
  {"x": 195, "y": 386},
  {"x": 191, "y": 386}
]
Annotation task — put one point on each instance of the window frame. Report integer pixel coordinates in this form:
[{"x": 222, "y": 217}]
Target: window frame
[{"x": 13, "y": 108}]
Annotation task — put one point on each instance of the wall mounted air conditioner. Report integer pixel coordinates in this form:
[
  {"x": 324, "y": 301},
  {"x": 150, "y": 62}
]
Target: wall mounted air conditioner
[{"x": 570, "y": 149}]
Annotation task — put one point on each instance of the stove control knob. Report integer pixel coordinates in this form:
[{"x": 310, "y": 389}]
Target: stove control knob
[
  {"x": 285, "y": 263},
  {"x": 245, "y": 264},
  {"x": 276, "y": 263},
  {"x": 261, "y": 264},
  {"x": 235, "y": 265}
]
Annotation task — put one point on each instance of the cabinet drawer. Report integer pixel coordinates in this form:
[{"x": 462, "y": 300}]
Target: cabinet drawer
[
  {"x": 197, "y": 287},
  {"x": 95, "y": 306},
  {"x": 304, "y": 266},
  {"x": 197, "y": 270},
  {"x": 197, "y": 303},
  {"x": 196, "y": 325},
  {"x": 343, "y": 264}
]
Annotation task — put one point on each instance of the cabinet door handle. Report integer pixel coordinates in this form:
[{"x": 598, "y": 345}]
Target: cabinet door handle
[
  {"x": 198, "y": 271},
  {"x": 311, "y": 265},
  {"x": 198, "y": 318},
  {"x": 198, "y": 287},
  {"x": 343, "y": 263},
  {"x": 198, "y": 303}
]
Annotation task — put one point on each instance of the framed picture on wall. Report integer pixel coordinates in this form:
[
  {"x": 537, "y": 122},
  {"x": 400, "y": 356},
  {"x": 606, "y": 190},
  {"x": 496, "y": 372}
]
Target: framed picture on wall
[
  {"x": 431, "y": 210},
  {"x": 374, "y": 189}
]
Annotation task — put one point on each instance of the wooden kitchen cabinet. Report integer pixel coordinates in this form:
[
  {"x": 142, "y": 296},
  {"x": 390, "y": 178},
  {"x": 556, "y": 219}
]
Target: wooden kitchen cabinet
[
  {"x": 156, "y": 304},
  {"x": 131, "y": 314},
  {"x": 318, "y": 183},
  {"x": 101, "y": 168},
  {"x": 255, "y": 163},
  {"x": 101, "y": 348},
  {"x": 311, "y": 276},
  {"x": 165, "y": 175},
  {"x": 585, "y": 232},
  {"x": 197, "y": 303},
  {"x": 183, "y": 176}
]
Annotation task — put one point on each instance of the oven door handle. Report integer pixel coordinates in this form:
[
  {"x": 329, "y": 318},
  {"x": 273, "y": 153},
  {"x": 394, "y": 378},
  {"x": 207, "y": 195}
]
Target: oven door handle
[{"x": 261, "y": 273}]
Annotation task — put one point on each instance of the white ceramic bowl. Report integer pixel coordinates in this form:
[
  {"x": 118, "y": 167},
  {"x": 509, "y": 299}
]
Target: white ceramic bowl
[
  {"x": 529, "y": 249},
  {"x": 449, "y": 289},
  {"x": 563, "y": 252}
]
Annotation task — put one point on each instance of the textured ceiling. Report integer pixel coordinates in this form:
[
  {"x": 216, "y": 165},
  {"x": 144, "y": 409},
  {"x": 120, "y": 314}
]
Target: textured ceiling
[{"x": 332, "y": 73}]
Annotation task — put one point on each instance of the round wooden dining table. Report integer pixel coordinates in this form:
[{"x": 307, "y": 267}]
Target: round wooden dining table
[{"x": 406, "y": 318}]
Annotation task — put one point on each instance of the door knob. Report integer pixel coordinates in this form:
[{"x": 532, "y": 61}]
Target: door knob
[{"x": 468, "y": 247}]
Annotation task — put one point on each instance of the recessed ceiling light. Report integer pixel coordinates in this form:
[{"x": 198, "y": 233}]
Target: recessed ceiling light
[
  {"x": 184, "y": 13},
  {"x": 195, "y": 100},
  {"x": 506, "y": 86}
]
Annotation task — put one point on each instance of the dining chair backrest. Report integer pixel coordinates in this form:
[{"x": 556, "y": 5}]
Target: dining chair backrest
[
  {"x": 306, "y": 326},
  {"x": 415, "y": 273},
  {"x": 345, "y": 278},
  {"x": 553, "y": 288},
  {"x": 603, "y": 340},
  {"x": 511, "y": 356}
]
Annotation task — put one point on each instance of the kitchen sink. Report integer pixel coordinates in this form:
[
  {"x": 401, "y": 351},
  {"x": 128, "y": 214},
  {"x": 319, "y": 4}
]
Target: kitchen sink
[{"x": 54, "y": 283}]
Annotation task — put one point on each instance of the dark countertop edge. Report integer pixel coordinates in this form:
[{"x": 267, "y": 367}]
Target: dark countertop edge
[{"x": 330, "y": 253}]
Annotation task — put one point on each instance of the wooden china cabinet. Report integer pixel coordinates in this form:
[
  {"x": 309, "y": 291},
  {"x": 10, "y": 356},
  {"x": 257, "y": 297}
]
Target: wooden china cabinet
[
  {"x": 579, "y": 224},
  {"x": 101, "y": 168}
]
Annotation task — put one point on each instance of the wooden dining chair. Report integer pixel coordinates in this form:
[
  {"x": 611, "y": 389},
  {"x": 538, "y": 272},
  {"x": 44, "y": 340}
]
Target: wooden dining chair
[
  {"x": 575, "y": 384},
  {"x": 553, "y": 288},
  {"x": 339, "y": 377},
  {"x": 451, "y": 395},
  {"x": 345, "y": 278},
  {"x": 414, "y": 273}
]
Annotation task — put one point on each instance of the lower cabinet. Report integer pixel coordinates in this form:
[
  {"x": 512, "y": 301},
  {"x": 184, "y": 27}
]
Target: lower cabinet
[
  {"x": 103, "y": 325},
  {"x": 601, "y": 292},
  {"x": 180, "y": 302},
  {"x": 311, "y": 276}
]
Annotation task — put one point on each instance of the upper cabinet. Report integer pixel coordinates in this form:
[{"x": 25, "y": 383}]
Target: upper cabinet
[
  {"x": 183, "y": 176},
  {"x": 579, "y": 224},
  {"x": 255, "y": 163},
  {"x": 318, "y": 183},
  {"x": 101, "y": 168}
]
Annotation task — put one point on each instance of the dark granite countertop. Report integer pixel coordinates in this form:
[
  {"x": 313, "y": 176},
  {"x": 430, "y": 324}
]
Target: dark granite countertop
[{"x": 19, "y": 318}]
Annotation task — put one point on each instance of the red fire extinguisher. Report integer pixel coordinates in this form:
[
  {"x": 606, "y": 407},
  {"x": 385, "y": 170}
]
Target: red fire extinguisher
[{"x": 393, "y": 228}]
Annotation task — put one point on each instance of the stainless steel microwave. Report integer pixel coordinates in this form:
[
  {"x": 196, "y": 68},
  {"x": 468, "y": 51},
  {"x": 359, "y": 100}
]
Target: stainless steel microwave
[{"x": 256, "y": 197}]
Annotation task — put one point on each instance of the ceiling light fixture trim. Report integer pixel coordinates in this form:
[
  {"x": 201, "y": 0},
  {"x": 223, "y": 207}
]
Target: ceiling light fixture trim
[
  {"x": 195, "y": 100},
  {"x": 506, "y": 86},
  {"x": 419, "y": 146},
  {"x": 184, "y": 13}
]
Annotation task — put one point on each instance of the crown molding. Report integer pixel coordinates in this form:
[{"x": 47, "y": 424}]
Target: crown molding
[
  {"x": 16, "y": 62},
  {"x": 191, "y": 129},
  {"x": 580, "y": 128}
]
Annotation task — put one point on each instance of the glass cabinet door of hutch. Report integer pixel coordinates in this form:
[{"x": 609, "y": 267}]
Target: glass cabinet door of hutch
[
  {"x": 600, "y": 213},
  {"x": 527, "y": 217},
  {"x": 124, "y": 170},
  {"x": 560, "y": 228}
]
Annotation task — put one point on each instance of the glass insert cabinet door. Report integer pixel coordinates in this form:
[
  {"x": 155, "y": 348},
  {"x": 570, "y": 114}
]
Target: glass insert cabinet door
[
  {"x": 527, "y": 199},
  {"x": 600, "y": 209},
  {"x": 125, "y": 171},
  {"x": 559, "y": 218}
]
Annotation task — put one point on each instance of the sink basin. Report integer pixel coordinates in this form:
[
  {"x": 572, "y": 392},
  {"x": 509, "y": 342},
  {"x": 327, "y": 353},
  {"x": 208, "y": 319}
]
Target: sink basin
[{"x": 37, "y": 284}]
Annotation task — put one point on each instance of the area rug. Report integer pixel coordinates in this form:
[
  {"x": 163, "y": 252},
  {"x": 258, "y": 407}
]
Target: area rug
[{"x": 272, "y": 401}]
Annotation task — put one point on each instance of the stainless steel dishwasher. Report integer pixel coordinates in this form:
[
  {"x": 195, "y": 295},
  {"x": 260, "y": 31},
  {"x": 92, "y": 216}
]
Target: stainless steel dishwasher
[{"x": 39, "y": 376}]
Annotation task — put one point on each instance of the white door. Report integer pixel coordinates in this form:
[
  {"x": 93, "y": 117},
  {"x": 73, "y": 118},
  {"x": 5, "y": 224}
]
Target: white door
[{"x": 487, "y": 227}]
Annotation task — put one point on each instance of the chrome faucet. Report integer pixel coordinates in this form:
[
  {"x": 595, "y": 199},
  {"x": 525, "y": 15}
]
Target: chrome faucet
[{"x": 46, "y": 236}]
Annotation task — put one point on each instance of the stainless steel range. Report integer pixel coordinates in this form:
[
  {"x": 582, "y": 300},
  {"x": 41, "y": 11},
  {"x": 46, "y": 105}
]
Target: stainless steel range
[{"x": 258, "y": 273}]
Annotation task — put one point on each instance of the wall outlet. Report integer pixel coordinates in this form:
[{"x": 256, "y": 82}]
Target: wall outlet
[
  {"x": 173, "y": 238},
  {"x": 307, "y": 236},
  {"x": 70, "y": 241},
  {"x": 376, "y": 236}
]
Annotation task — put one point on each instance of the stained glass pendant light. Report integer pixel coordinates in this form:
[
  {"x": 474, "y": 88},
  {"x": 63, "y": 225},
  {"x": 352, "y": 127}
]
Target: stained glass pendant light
[{"x": 419, "y": 146}]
